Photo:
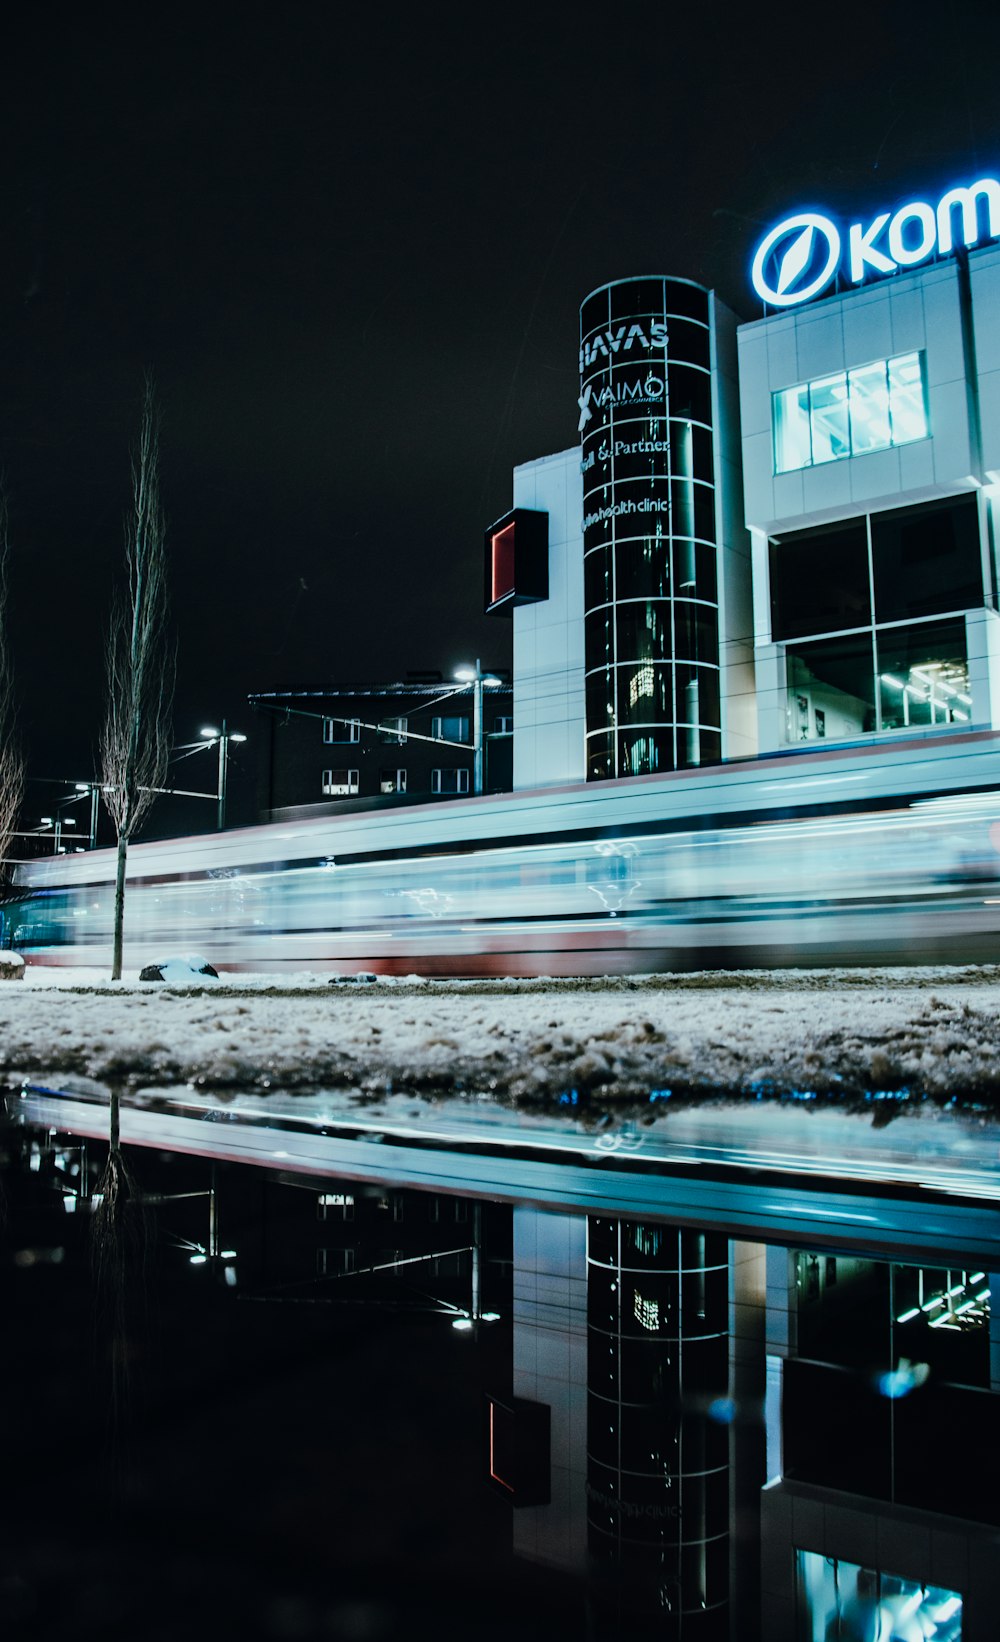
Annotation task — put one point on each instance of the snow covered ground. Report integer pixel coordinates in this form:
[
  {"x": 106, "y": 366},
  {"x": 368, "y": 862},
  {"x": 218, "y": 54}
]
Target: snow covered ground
[{"x": 860, "y": 1034}]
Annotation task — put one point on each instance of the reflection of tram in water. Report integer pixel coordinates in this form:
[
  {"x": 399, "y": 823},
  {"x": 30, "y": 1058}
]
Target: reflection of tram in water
[{"x": 882, "y": 853}]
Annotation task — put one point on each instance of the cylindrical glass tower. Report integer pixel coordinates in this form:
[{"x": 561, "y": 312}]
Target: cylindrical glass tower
[
  {"x": 657, "y": 1460},
  {"x": 649, "y": 528}
]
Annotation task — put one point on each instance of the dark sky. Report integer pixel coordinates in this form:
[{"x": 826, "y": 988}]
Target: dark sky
[{"x": 351, "y": 244}]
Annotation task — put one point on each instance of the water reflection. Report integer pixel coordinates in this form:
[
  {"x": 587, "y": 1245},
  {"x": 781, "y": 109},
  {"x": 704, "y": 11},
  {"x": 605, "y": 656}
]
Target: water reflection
[{"x": 686, "y": 1435}]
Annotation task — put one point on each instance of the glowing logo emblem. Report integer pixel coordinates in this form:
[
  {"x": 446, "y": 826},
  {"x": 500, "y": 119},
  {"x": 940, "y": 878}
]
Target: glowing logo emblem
[
  {"x": 585, "y": 410},
  {"x": 792, "y": 254}
]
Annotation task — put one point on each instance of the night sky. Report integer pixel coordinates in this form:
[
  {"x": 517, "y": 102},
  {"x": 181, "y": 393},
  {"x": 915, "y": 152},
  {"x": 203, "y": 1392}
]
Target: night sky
[{"x": 351, "y": 246}]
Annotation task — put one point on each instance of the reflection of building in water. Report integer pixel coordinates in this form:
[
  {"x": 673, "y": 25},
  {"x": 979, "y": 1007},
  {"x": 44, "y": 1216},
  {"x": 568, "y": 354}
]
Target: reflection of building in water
[
  {"x": 879, "y": 1513},
  {"x": 750, "y": 1443},
  {"x": 636, "y": 1335},
  {"x": 657, "y": 1422}
]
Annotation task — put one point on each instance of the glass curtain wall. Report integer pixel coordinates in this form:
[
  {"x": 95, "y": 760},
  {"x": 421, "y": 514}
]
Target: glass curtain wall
[
  {"x": 859, "y": 606},
  {"x": 649, "y": 533}
]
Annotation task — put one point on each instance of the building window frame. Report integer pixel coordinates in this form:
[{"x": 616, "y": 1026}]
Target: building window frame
[
  {"x": 441, "y": 782},
  {"x": 348, "y": 788},
  {"x": 461, "y": 733},
  {"x": 392, "y": 731},
  {"x": 338, "y": 731},
  {"x": 805, "y": 415}
]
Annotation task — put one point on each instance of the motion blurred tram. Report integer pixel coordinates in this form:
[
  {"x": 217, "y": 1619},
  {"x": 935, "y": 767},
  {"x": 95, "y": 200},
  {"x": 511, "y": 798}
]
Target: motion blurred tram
[{"x": 885, "y": 853}]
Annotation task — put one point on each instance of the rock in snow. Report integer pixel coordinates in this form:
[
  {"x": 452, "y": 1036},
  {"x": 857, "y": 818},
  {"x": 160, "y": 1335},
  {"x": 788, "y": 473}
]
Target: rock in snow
[{"x": 180, "y": 968}]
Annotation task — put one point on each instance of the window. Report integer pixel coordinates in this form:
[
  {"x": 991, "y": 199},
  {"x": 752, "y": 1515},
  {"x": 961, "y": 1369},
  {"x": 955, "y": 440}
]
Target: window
[
  {"x": 886, "y": 679},
  {"x": 836, "y": 1598},
  {"x": 924, "y": 561},
  {"x": 340, "y": 783},
  {"x": 503, "y": 724},
  {"x": 869, "y": 408},
  {"x": 820, "y": 581},
  {"x": 450, "y": 781},
  {"x": 341, "y": 729},
  {"x": 341, "y": 1204},
  {"x": 393, "y": 731},
  {"x": 927, "y": 560},
  {"x": 450, "y": 729},
  {"x": 332, "y": 1262},
  {"x": 392, "y": 780}
]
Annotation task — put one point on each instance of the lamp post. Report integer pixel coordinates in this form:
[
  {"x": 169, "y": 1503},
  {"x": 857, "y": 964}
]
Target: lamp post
[
  {"x": 58, "y": 847},
  {"x": 223, "y": 737},
  {"x": 94, "y": 789},
  {"x": 477, "y": 678}
]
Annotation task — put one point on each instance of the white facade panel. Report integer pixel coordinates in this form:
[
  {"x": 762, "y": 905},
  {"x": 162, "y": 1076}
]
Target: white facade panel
[
  {"x": 819, "y": 343},
  {"x": 984, "y": 276},
  {"x": 548, "y": 636},
  {"x": 943, "y": 331},
  {"x": 867, "y": 323},
  {"x": 948, "y": 414},
  {"x": 913, "y": 313}
]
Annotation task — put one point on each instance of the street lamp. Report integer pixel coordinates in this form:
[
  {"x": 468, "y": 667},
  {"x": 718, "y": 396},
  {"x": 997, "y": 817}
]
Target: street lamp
[
  {"x": 477, "y": 678},
  {"x": 58, "y": 848},
  {"x": 223, "y": 737},
  {"x": 94, "y": 789}
]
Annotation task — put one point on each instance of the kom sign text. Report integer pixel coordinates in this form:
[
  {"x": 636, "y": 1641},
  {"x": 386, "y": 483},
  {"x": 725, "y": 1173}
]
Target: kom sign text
[{"x": 802, "y": 255}]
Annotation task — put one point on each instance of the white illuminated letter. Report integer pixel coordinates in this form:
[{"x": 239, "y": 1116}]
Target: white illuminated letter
[
  {"x": 916, "y": 211},
  {"x": 862, "y": 250},
  {"x": 794, "y": 259},
  {"x": 989, "y": 189}
]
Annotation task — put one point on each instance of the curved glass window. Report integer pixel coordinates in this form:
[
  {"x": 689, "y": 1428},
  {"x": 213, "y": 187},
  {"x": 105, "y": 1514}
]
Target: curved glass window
[
  {"x": 642, "y": 567},
  {"x": 689, "y": 343},
  {"x": 692, "y": 509},
  {"x": 643, "y": 631},
  {"x": 599, "y": 637},
  {"x": 690, "y": 393},
  {"x": 598, "y": 583},
  {"x": 645, "y": 694},
  {"x": 696, "y": 631},
  {"x": 600, "y": 695}
]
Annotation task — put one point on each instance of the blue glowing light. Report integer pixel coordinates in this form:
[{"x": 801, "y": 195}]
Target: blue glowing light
[{"x": 800, "y": 257}]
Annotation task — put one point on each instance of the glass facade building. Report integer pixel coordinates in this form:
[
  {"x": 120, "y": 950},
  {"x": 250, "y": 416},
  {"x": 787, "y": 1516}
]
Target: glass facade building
[
  {"x": 657, "y": 1458},
  {"x": 651, "y": 604}
]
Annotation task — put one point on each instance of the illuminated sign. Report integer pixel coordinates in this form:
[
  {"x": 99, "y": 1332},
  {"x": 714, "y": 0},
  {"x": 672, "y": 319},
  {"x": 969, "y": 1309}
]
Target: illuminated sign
[
  {"x": 516, "y": 561},
  {"x": 800, "y": 257}
]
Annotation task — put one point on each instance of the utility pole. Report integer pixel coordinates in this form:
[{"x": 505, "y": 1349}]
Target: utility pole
[
  {"x": 223, "y": 737},
  {"x": 477, "y": 679}
]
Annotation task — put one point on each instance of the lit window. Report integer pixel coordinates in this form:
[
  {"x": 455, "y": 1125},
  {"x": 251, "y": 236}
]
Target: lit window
[
  {"x": 450, "y": 781},
  {"x": 393, "y": 730},
  {"x": 392, "y": 780},
  {"x": 340, "y": 783},
  {"x": 647, "y": 1312},
  {"x": 450, "y": 729},
  {"x": 640, "y": 684},
  {"x": 341, "y": 729},
  {"x": 869, "y": 408}
]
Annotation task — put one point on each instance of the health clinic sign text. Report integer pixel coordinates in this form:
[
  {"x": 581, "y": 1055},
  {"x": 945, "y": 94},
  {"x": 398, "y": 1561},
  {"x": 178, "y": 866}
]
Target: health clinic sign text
[{"x": 800, "y": 257}]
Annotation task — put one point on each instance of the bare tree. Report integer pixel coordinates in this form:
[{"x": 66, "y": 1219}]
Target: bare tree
[
  {"x": 139, "y": 660},
  {"x": 11, "y": 753}
]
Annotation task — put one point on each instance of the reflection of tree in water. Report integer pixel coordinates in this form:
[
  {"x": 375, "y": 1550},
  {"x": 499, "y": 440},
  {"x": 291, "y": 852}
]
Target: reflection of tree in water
[{"x": 117, "y": 1253}]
